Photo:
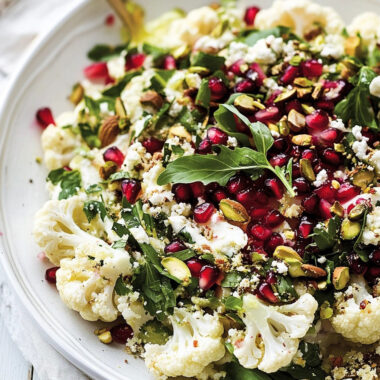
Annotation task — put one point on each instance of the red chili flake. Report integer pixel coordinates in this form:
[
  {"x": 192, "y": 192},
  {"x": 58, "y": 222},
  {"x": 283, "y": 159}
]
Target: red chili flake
[
  {"x": 363, "y": 304},
  {"x": 110, "y": 20},
  {"x": 195, "y": 343}
]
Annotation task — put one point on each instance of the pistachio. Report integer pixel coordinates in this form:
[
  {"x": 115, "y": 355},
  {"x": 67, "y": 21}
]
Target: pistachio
[
  {"x": 295, "y": 268},
  {"x": 107, "y": 169},
  {"x": 152, "y": 98},
  {"x": 283, "y": 126},
  {"x": 352, "y": 46},
  {"x": 258, "y": 105},
  {"x": 313, "y": 271},
  {"x": 363, "y": 178},
  {"x": 180, "y": 131},
  {"x": 340, "y": 277},
  {"x": 337, "y": 209},
  {"x": 181, "y": 51},
  {"x": 199, "y": 70},
  {"x": 105, "y": 337},
  {"x": 273, "y": 127},
  {"x": 76, "y": 94},
  {"x": 339, "y": 148},
  {"x": 296, "y": 120},
  {"x": 322, "y": 285},
  {"x": 308, "y": 109},
  {"x": 285, "y": 96},
  {"x": 307, "y": 169},
  {"x": 257, "y": 257},
  {"x": 349, "y": 230},
  {"x": 302, "y": 82},
  {"x": 290, "y": 235},
  {"x": 318, "y": 87},
  {"x": 245, "y": 103},
  {"x": 109, "y": 130},
  {"x": 304, "y": 92},
  {"x": 335, "y": 184},
  {"x": 119, "y": 108},
  {"x": 284, "y": 252},
  {"x": 357, "y": 212},
  {"x": 233, "y": 211},
  {"x": 302, "y": 140},
  {"x": 177, "y": 268},
  {"x": 326, "y": 311}
]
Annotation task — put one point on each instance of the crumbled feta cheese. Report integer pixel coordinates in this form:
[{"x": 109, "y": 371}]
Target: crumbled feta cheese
[
  {"x": 333, "y": 47},
  {"x": 174, "y": 88},
  {"x": 280, "y": 267},
  {"x": 338, "y": 124},
  {"x": 321, "y": 178},
  {"x": 321, "y": 260},
  {"x": 260, "y": 52},
  {"x": 339, "y": 174},
  {"x": 374, "y": 159},
  {"x": 235, "y": 52},
  {"x": 232, "y": 142},
  {"x": 374, "y": 87},
  {"x": 289, "y": 208},
  {"x": 359, "y": 146},
  {"x": 181, "y": 209},
  {"x": 175, "y": 109},
  {"x": 116, "y": 67},
  {"x": 210, "y": 44},
  {"x": 139, "y": 234},
  {"x": 136, "y": 155}
]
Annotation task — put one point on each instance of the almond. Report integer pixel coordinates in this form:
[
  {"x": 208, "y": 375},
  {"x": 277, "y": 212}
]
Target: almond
[
  {"x": 152, "y": 98},
  {"x": 109, "y": 130},
  {"x": 313, "y": 271}
]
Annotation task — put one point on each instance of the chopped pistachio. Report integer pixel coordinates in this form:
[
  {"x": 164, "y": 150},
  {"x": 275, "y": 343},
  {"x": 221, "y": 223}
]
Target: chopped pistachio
[
  {"x": 302, "y": 82},
  {"x": 352, "y": 46},
  {"x": 199, "y": 70},
  {"x": 337, "y": 209},
  {"x": 285, "y": 96},
  {"x": 180, "y": 131},
  {"x": 317, "y": 91},
  {"x": 105, "y": 337},
  {"x": 363, "y": 178},
  {"x": 302, "y": 140},
  {"x": 233, "y": 211},
  {"x": 245, "y": 103},
  {"x": 357, "y": 212},
  {"x": 284, "y": 252},
  {"x": 349, "y": 229},
  {"x": 107, "y": 169},
  {"x": 339, "y": 148},
  {"x": 307, "y": 169},
  {"x": 308, "y": 109},
  {"x": 340, "y": 277},
  {"x": 303, "y": 92},
  {"x": 76, "y": 94},
  {"x": 283, "y": 126},
  {"x": 177, "y": 268},
  {"x": 326, "y": 311},
  {"x": 296, "y": 120},
  {"x": 335, "y": 184}
]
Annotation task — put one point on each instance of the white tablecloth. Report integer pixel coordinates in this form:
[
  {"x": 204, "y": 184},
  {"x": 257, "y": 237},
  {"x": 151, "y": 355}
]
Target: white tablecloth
[{"x": 20, "y": 22}]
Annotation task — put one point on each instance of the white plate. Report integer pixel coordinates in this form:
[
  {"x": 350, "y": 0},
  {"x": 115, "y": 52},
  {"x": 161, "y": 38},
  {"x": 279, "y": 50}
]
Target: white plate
[{"x": 45, "y": 79}]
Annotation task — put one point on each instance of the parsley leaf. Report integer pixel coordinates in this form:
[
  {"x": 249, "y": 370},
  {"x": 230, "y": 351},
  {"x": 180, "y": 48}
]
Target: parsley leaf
[
  {"x": 233, "y": 303},
  {"x": 115, "y": 90},
  {"x": 103, "y": 52},
  {"x": 231, "y": 280},
  {"x": 92, "y": 208},
  {"x": 326, "y": 238},
  {"x": 70, "y": 181},
  {"x": 211, "y": 62},
  {"x": 357, "y": 247},
  {"x": 120, "y": 288}
]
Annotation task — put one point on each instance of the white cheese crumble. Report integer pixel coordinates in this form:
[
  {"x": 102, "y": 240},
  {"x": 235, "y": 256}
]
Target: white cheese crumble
[
  {"x": 116, "y": 67},
  {"x": 321, "y": 178},
  {"x": 139, "y": 234},
  {"x": 136, "y": 155},
  {"x": 339, "y": 174},
  {"x": 280, "y": 267},
  {"x": 338, "y": 124},
  {"x": 359, "y": 146},
  {"x": 374, "y": 87},
  {"x": 333, "y": 47}
]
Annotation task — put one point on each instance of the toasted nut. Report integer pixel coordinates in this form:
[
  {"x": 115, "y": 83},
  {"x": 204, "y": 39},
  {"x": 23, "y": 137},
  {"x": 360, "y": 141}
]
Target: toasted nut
[
  {"x": 285, "y": 96},
  {"x": 339, "y": 148},
  {"x": 245, "y": 103},
  {"x": 302, "y": 140},
  {"x": 363, "y": 178},
  {"x": 273, "y": 127},
  {"x": 152, "y": 98},
  {"x": 322, "y": 285},
  {"x": 284, "y": 126},
  {"x": 105, "y": 337},
  {"x": 335, "y": 184},
  {"x": 340, "y": 277},
  {"x": 302, "y": 82},
  {"x": 119, "y": 108},
  {"x": 352, "y": 46},
  {"x": 295, "y": 268},
  {"x": 109, "y": 130},
  {"x": 289, "y": 235},
  {"x": 317, "y": 91},
  {"x": 313, "y": 271},
  {"x": 304, "y": 92},
  {"x": 296, "y": 120},
  {"x": 233, "y": 210},
  {"x": 257, "y": 257},
  {"x": 357, "y": 212},
  {"x": 76, "y": 94},
  {"x": 284, "y": 252},
  {"x": 107, "y": 169},
  {"x": 199, "y": 70},
  {"x": 337, "y": 209},
  {"x": 180, "y": 131},
  {"x": 349, "y": 230},
  {"x": 326, "y": 311},
  {"x": 258, "y": 105},
  {"x": 307, "y": 169},
  {"x": 177, "y": 268},
  {"x": 308, "y": 109}
]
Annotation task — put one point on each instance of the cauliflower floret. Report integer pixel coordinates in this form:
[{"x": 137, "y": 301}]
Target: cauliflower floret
[
  {"x": 58, "y": 145},
  {"x": 357, "y": 313},
  {"x": 86, "y": 282},
  {"x": 367, "y": 24},
  {"x": 132, "y": 310},
  {"x": 61, "y": 225},
  {"x": 272, "y": 333},
  {"x": 196, "y": 342},
  {"x": 300, "y": 15}
]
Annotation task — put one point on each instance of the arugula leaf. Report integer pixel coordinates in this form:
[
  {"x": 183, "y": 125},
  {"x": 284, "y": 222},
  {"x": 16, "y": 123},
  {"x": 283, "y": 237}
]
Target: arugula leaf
[
  {"x": 204, "y": 94},
  {"x": 70, "y": 181},
  {"x": 357, "y": 107},
  {"x": 285, "y": 288},
  {"x": 160, "y": 79},
  {"x": 92, "y": 106},
  {"x": 120, "y": 230},
  {"x": 103, "y": 52},
  {"x": 237, "y": 372},
  {"x": 90, "y": 135},
  {"x": 92, "y": 189},
  {"x": 184, "y": 255},
  {"x": 211, "y": 62},
  {"x": 157, "y": 53},
  {"x": 231, "y": 280},
  {"x": 357, "y": 245},
  {"x": 256, "y": 35},
  {"x": 120, "y": 288},
  {"x": 92, "y": 208},
  {"x": 373, "y": 58},
  {"x": 233, "y": 303},
  {"x": 118, "y": 175},
  {"x": 312, "y": 373},
  {"x": 115, "y": 90}
]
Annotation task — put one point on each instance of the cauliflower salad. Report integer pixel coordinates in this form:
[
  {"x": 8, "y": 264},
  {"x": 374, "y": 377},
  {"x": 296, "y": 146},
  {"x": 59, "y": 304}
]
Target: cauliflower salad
[{"x": 214, "y": 198}]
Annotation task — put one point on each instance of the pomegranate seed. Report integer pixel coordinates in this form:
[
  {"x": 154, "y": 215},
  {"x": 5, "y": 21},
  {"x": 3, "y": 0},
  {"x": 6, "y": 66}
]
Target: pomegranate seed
[
  {"x": 255, "y": 67},
  {"x": 260, "y": 232},
  {"x": 295, "y": 151},
  {"x": 273, "y": 218},
  {"x": 279, "y": 160},
  {"x": 152, "y": 145},
  {"x": 271, "y": 278},
  {"x": 329, "y": 136},
  {"x": 325, "y": 105},
  {"x": 308, "y": 154},
  {"x": 182, "y": 192},
  {"x": 270, "y": 101},
  {"x": 169, "y": 63},
  {"x": 275, "y": 186},
  {"x": 309, "y": 203},
  {"x": 198, "y": 189},
  {"x": 305, "y": 228},
  {"x": 134, "y": 61},
  {"x": 335, "y": 90},
  {"x": 302, "y": 185},
  {"x": 204, "y": 147},
  {"x": 293, "y": 105},
  {"x": 44, "y": 117},
  {"x": 237, "y": 183},
  {"x": 110, "y": 19},
  {"x": 324, "y": 209},
  {"x": 175, "y": 246},
  {"x": 375, "y": 257},
  {"x": 290, "y": 74},
  {"x": 327, "y": 192},
  {"x": 296, "y": 171},
  {"x": 280, "y": 144},
  {"x": 318, "y": 120},
  {"x": 372, "y": 273},
  {"x": 121, "y": 333},
  {"x": 311, "y": 68},
  {"x": 217, "y": 136},
  {"x": 268, "y": 115},
  {"x": 203, "y": 212},
  {"x": 250, "y": 15},
  {"x": 217, "y": 88},
  {"x": 265, "y": 290},
  {"x": 131, "y": 189},
  {"x": 207, "y": 277},
  {"x": 356, "y": 264},
  {"x": 347, "y": 192},
  {"x": 67, "y": 168},
  {"x": 258, "y": 213},
  {"x": 218, "y": 195},
  {"x": 96, "y": 71},
  {"x": 246, "y": 85},
  {"x": 114, "y": 154},
  {"x": 237, "y": 66},
  {"x": 50, "y": 275},
  {"x": 274, "y": 241},
  {"x": 330, "y": 156},
  {"x": 240, "y": 126},
  {"x": 195, "y": 266}
]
